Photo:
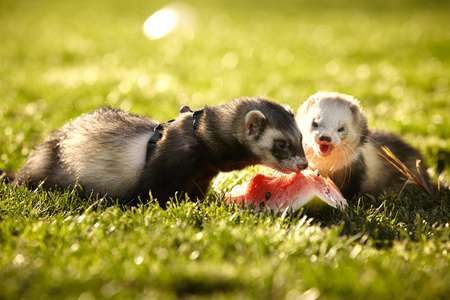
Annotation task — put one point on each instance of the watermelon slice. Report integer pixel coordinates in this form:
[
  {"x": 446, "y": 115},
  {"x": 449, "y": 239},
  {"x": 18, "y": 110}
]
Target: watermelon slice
[{"x": 287, "y": 191}]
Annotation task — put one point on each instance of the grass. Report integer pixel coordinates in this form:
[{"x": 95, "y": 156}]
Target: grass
[{"x": 61, "y": 59}]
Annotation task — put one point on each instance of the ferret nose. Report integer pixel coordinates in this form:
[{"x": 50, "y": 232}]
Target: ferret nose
[
  {"x": 302, "y": 166},
  {"x": 325, "y": 138}
]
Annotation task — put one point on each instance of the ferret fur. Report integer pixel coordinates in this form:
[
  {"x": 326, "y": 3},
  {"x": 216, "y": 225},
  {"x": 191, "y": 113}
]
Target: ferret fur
[
  {"x": 339, "y": 144},
  {"x": 105, "y": 152}
]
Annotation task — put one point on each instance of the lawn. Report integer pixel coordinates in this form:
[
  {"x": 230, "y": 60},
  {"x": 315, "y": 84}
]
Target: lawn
[{"x": 59, "y": 59}]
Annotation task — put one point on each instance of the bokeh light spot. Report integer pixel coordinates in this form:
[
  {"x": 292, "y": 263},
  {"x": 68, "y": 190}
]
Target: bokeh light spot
[
  {"x": 160, "y": 23},
  {"x": 230, "y": 60},
  {"x": 332, "y": 68},
  {"x": 285, "y": 57},
  {"x": 363, "y": 71}
]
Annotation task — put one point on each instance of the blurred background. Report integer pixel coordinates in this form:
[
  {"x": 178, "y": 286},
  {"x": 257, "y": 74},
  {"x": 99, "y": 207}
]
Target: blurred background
[{"x": 59, "y": 59}]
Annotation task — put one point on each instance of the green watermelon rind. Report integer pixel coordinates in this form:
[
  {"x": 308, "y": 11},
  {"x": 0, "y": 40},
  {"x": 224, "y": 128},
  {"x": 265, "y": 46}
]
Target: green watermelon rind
[{"x": 315, "y": 191}]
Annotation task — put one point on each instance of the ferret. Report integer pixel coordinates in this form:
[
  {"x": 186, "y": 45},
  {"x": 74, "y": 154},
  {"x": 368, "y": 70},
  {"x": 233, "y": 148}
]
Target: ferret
[
  {"x": 125, "y": 156},
  {"x": 339, "y": 144}
]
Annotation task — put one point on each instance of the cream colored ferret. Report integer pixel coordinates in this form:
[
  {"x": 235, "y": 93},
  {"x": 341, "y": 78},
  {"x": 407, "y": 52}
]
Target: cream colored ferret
[{"x": 339, "y": 144}]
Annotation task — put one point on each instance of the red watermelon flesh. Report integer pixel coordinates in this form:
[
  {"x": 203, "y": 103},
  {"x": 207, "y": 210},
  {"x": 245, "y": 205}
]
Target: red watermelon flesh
[{"x": 287, "y": 191}]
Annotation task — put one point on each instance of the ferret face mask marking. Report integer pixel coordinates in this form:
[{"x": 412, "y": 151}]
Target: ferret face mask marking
[
  {"x": 111, "y": 152},
  {"x": 279, "y": 150}
]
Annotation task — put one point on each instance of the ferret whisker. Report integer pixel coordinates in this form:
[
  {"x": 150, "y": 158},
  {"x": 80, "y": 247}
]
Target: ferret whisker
[
  {"x": 358, "y": 158},
  {"x": 131, "y": 157},
  {"x": 347, "y": 171},
  {"x": 355, "y": 165},
  {"x": 368, "y": 138}
]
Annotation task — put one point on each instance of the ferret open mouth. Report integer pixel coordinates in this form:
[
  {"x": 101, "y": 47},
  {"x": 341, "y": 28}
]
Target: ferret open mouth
[{"x": 324, "y": 149}]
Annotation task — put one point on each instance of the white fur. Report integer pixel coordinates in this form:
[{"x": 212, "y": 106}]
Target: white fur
[
  {"x": 253, "y": 114},
  {"x": 293, "y": 162},
  {"x": 263, "y": 149},
  {"x": 331, "y": 111},
  {"x": 253, "y": 121},
  {"x": 376, "y": 166},
  {"x": 120, "y": 168},
  {"x": 329, "y": 117}
]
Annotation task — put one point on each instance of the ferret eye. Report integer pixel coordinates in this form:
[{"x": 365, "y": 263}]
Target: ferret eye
[
  {"x": 314, "y": 124},
  {"x": 341, "y": 129},
  {"x": 281, "y": 144}
]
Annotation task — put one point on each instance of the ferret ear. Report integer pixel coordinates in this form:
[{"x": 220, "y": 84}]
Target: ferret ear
[
  {"x": 308, "y": 103},
  {"x": 356, "y": 112},
  {"x": 289, "y": 110},
  {"x": 254, "y": 122},
  {"x": 359, "y": 117},
  {"x": 304, "y": 107}
]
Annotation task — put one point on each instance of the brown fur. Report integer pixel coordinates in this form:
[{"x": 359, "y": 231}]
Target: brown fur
[
  {"x": 353, "y": 164},
  {"x": 106, "y": 152}
]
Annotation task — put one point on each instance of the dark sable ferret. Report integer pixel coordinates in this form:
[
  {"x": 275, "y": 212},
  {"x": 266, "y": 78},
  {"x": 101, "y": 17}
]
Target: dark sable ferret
[
  {"x": 338, "y": 144},
  {"x": 114, "y": 153}
]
